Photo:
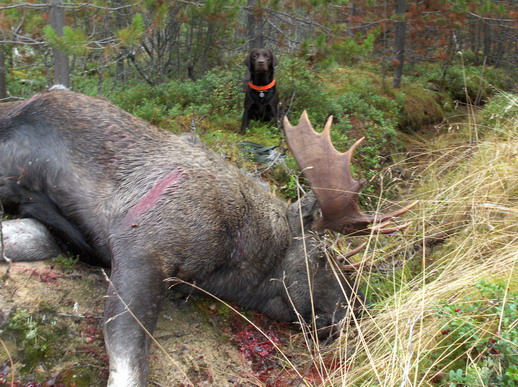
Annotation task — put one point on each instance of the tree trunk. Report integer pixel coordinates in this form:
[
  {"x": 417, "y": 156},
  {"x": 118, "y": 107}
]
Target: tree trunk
[
  {"x": 399, "y": 42},
  {"x": 121, "y": 17},
  {"x": 254, "y": 26},
  {"x": 61, "y": 63},
  {"x": 3, "y": 82},
  {"x": 487, "y": 43}
]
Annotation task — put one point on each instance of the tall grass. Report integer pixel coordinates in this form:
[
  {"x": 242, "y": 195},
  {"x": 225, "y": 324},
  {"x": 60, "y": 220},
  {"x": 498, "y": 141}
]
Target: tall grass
[{"x": 446, "y": 314}]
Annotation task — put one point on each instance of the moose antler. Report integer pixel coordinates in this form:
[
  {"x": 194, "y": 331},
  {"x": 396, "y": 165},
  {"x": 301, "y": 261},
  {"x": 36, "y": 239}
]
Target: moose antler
[{"x": 334, "y": 187}]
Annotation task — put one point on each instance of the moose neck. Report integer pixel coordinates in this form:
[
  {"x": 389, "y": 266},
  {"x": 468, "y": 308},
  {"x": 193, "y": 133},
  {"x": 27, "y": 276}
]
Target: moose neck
[
  {"x": 260, "y": 244},
  {"x": 262, "y": 78}
]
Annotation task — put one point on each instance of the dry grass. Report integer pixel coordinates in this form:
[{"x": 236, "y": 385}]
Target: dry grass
[{"x": 468, "y": 192}]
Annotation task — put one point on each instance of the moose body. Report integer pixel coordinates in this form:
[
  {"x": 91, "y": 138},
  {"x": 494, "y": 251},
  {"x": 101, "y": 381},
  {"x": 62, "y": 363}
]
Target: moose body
[{"x": 153, "y": 206}]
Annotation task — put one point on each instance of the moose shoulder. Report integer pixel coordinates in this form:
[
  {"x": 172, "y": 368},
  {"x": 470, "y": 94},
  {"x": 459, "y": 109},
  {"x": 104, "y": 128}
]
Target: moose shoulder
[{"x": 154, "y": 205}]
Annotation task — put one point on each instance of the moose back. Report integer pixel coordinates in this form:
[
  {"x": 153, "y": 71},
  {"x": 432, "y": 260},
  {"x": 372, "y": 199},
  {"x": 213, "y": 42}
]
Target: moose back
[{"x": 154, "y": 206}]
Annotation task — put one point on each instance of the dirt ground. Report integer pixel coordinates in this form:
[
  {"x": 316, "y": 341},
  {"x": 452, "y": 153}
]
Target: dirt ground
[{"x": 51, "y": 334}]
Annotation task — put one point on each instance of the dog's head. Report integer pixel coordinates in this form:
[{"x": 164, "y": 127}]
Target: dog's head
[{"x": 260, "y": 60}]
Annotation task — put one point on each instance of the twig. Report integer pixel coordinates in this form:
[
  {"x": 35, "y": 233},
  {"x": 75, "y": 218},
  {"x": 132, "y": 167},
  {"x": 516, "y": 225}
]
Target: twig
[
  {"x": 291, "y": 104},
  {"x": 10, "y": 361},
  {"x": 75, "y": 315},
  {"x": 9, "y": 261},
  {"x": 410, "y": 351}
]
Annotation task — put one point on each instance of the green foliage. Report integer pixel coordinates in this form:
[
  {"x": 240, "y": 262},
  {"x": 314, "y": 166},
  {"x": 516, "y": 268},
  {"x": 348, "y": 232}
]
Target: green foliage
[
  {"x": 501, "y": 114},
  {"x": 343, "y": 50},
  {"x": 302, "y": 89},
  {"x": 350, "y": 51},
  {"x": 289, "y": 179},
  {"x": 131, "y": 34},
  {"x": 73, "y": 41},
  {"x": 26, "y": 85},
  {"x": 465, "y": 83},
  {"x": 216, "y": 93},
  {"x": 363, "y": 111},
  {"x": 480, "y": 338},
  {"x": 290, "y": 189},
  {"x": 66, "y": 264},
  {"x": 487, "y": 7}
]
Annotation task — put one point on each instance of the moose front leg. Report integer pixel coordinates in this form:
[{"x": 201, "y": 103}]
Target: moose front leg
[{"x": 135, "y": 292}]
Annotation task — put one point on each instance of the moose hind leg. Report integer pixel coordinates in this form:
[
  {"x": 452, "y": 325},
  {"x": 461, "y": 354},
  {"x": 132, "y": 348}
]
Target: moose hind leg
[{"x": 134, "y": 296}]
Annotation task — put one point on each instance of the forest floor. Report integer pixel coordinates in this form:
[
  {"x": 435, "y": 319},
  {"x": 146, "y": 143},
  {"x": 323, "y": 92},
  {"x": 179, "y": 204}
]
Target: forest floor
[{"x": 50, "y": 319}]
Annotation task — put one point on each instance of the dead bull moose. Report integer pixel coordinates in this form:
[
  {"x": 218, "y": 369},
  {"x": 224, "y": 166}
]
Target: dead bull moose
[{"x": 154, "y": 205}]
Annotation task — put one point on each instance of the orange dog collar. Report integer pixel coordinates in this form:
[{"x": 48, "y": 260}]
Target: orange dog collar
[{"x": 262, "y": 88}]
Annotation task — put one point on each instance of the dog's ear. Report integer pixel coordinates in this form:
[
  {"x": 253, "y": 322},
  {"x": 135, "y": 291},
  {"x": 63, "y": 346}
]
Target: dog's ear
[
  {"x": 275, "y": 61},
  {"x": 248, "y": 60}
]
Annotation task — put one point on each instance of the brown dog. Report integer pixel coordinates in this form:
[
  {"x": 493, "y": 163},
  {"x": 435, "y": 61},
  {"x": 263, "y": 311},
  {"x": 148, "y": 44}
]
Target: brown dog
[{"x": 261, "y": 99}]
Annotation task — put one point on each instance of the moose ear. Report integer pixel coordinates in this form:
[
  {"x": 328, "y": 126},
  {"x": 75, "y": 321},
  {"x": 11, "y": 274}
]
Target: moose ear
[{"x": 306, "y": 209}]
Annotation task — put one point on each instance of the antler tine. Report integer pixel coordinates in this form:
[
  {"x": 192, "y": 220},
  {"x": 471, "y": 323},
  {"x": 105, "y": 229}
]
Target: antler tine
[
  {"x": 395, "y": 214},
  {"x": 383, "y": 229},
  {"x": 327, "y": 127},
  {"x": 349, "y": 254},
  {"x": 329, "y": 174}
]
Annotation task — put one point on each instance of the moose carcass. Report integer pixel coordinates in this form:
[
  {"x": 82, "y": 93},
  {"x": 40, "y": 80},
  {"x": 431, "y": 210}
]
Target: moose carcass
[{"x": 154, "y": 205}]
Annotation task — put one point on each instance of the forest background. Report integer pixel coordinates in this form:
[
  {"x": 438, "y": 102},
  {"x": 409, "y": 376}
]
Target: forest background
[{"x": 432, "y": 86}]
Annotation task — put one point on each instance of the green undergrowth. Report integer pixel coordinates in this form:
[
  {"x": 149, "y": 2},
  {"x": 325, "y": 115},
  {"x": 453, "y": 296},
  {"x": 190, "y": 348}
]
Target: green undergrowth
[
  {"x": 362, "y": 106},
  {"x": 465, "y": 83}
]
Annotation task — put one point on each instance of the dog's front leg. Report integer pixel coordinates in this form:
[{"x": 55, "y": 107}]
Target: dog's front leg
[{"x": 245, "y": 121}]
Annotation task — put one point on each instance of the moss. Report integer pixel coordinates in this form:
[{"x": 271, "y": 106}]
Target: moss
[
  {"x": 47, "y": 348},
  {"x": 36, "y": 336},
  {"x": 419, "y": 107}
]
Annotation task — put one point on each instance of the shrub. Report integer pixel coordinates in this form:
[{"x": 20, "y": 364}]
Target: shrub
[
  {"x": 480, "y": 338},
  {"x": 500, "y": 115},
  {"x": 301, "y": 89},
  {"x": 217, "y": 92},
  {"x": 466, "y": 83}
]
